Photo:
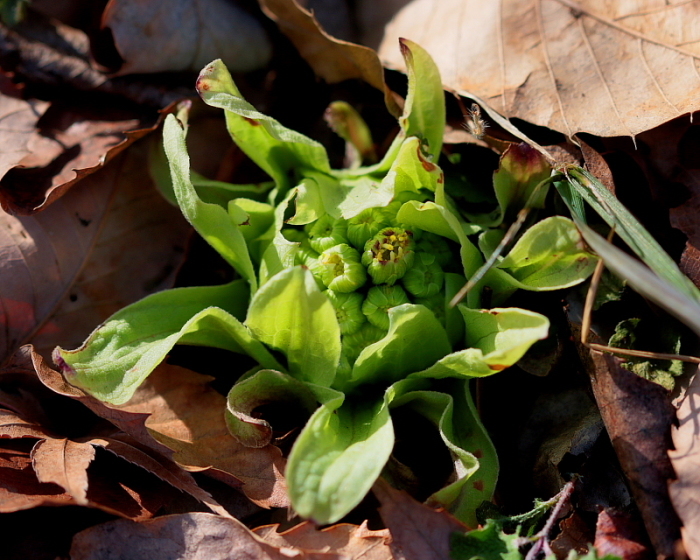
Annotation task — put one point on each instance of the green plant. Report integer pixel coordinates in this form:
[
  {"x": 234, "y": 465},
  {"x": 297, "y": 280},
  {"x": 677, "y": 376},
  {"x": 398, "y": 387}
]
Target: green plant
[{"x": 343, "y": 300}]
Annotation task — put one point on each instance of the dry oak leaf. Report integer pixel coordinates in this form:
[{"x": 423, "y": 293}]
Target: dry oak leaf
[
  {"x": 418, "y": 532},
  {"x": 186, "y": 415},
  {"x": 685, "y": 490},
  {"x": 135, "y": 444},
  {"x": 331, "y": 59},
  {"x": 18, "y": 120},
  {"x": 354, "y": 542},
  {"x": 108, "y": 242},
  {"x": 185, "y": 35},
  {"x": 606, "y": 68},
  {"x": 71, "y": 141},
  {"x": 189, "y": 536}
]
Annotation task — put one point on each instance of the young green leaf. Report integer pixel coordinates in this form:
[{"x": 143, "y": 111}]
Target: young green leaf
[
  {"x": 424, "y": 111},
  {"x": 551, "y": 255},
  {"x": 455, "y": 415},
  {"x": 211, "y": 221},
  {"x": 263, "y": 388},
  {"x": 123, "y": 351},
  {"x": 290, "y": 314},
  {"x": 496, "y": 339},
  {"x": 274, "y": 147},
  {"x": 403, "y": 349},
  {"x": 337, "y": 457}
]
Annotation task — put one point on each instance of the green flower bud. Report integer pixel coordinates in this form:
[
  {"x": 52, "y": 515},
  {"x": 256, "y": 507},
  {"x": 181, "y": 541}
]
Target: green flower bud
[
  {"x": 379, "y": 300},
  {"x": 340, "y": 270},
  {"x": 425, "y": 278},
  {"x": 354, "y": 344},
  {"x": 436, "y": 245},
  {"x": 348, "y": 310},
  {"x": 365, "y": 225},
  {"x": 326, "y": 232},
  {"x": 389, "y": 254}
]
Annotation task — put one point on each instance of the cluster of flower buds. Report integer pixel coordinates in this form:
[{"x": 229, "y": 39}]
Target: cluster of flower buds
[{"x": 368, "y": 264}]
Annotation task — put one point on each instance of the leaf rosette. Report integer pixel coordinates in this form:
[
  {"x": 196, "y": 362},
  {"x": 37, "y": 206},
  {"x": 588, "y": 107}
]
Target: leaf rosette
[{"x": 344, "y": 305}]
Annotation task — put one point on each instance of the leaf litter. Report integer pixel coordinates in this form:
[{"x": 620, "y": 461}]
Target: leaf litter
[{"x": 137, "y": 423}]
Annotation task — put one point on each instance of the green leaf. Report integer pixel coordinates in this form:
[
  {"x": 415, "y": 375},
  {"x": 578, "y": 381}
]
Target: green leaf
[
  {"x": 212, "y": 222},
  {"x": 337, "y": 457},
  {"x": 263, "y": 388},
  {"x": 215, "y": 192},
  {"x": 456, "y": 418},
  {"x": 277, "y": 149},
  {"x": 291, "y": 315},
  {"x": 424, "y": 111},
  {"x": 123, "y": 351},
  {"x": 488, "y": 543},
  {"x": 497, "y": 338},
  {"x": 403, "y": 349},
  {"x": 627, "y": 227},
  {"x": 550, "y": 255},
  {"x": 279, "y": 253}
]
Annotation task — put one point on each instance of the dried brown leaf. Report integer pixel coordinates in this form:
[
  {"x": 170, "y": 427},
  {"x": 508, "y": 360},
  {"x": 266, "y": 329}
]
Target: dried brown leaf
[
  {"x": 638, "y": 415},
  {"x": 71, "y": 141},
  {"x": 180, "y": 35},
  {"x": 332, "y": 59},
  {"x": 19, "y": 487},
  {"x": 18, "y": 120},
  {"x": 186, "y": 415},
  {"x": 618, "y": 534},
  {"x": 418, "y": 532},
  {"x": 607, "y": 68},
  {"x": 685, "y": 489},
  {"x": 352, "y": 541},
  {"x": 574, "y": 535},
  {"x": 190, "y": 536},
  {"x": 107, "y": 243},
  {"x": 64, "y": 462}
]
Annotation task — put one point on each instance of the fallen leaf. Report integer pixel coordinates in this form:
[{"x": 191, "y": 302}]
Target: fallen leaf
[
  {"x": 352, "y": 541},
  {"x": 617, "y": 534},
  {"x": 108, "y": 242},
  {"x": 607, "y": 68},
  {"x": 574, "y": 534},
  {"x": 331, "y": 59},
  {"x": 187, "y": 416},
  {"x": 65, "y": 463},
  {"x": 685, "y": 458},
  {"x": 19, "y": 487},
  {"x": 418, "y": 532},
  {"x": 189, "y": 536},
  {"x": 185, "y": 35},
  {"x": 72, "y": 140},
  {"x": 18, "y": 120},
  {"x": 637, "y": 415},
  {"x": 78, "y": 465}
]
